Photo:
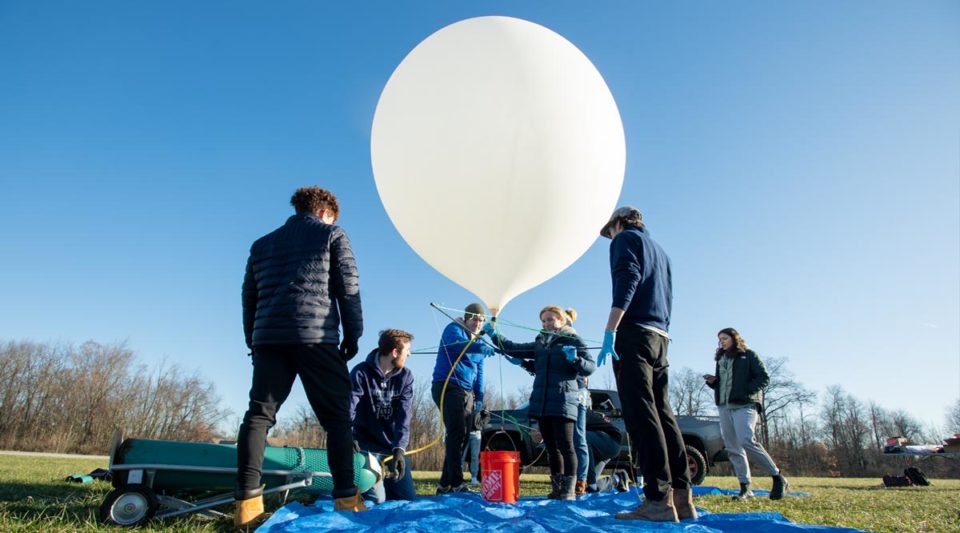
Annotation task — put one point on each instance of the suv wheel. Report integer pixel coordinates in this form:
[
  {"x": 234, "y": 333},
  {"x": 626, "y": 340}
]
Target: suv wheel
[{"x": 697, "y": 465}]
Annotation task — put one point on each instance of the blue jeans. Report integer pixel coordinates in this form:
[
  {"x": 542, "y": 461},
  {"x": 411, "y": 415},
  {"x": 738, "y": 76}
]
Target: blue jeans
[
  {"x": 580, "y": 436},
  {"x": 471, "y": 454},
  {"x": 392, "y": 489}
]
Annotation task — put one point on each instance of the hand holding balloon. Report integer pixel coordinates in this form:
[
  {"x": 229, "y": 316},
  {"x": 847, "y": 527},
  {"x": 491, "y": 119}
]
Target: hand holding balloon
[
  {"x": 607, "y": 349},
  {"x": 570, "y": 352},
  {"x": 489, "y": 329}
]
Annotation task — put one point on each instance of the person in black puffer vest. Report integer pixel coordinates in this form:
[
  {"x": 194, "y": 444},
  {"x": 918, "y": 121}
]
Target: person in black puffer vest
[{"x": 300, "y": 287}]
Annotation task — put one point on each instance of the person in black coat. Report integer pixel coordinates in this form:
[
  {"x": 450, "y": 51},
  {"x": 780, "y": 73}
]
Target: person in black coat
[
  {"x": 559, "y": 356},
  {"x": 738, "y": 384},
  {"x": 301, "y": 285}
]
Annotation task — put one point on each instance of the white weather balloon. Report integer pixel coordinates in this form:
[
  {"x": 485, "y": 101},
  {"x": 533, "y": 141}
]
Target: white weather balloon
[{"x": 498, "y": 153}]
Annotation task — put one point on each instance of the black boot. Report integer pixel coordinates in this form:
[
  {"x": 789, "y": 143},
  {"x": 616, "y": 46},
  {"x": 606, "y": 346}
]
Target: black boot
[
  {"x": 745, "y": 492},
  {"x": 555, "y": 481},
  {"x": 780, "y": 485},
  {"x": 568, "y": 488}
]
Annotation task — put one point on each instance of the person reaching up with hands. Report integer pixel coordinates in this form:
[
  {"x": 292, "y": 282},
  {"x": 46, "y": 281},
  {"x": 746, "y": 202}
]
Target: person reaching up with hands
[{"x": 559, "y": 357}]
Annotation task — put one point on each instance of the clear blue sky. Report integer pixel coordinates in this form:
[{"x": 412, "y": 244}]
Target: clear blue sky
[{"x": 799, "y": 161}]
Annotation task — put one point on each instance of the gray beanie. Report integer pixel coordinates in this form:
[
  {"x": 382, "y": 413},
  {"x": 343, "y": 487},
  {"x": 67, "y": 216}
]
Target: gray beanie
[{"x": 472, "y": 310}]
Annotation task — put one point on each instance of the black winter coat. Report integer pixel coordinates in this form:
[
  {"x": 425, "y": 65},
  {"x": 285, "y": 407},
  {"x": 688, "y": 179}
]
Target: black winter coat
[
  {"x": 749, "y": 379},
  {"x": 555, "y": 388},
  {"x": 301, "y": 282}
]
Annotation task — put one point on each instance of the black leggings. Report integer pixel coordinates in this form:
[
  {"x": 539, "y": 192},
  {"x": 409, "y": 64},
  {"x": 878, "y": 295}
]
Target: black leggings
[{"x": 558, "y": 438}]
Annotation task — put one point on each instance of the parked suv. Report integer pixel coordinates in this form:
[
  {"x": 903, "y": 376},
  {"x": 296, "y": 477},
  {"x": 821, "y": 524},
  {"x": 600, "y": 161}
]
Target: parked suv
[{"x": 515, "y": 430}]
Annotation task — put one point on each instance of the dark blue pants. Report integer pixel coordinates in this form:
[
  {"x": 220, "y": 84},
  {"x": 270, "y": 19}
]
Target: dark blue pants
[
  {"x": 393, "y": 489},
  {"x": 602, "y": 447}
]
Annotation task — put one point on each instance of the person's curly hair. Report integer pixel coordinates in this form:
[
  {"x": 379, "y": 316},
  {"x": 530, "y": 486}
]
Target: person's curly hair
[
  {"x": 391, "y": 339},
  {"x": 739, "y": 345},
  {"x": 314, "y": 200}
]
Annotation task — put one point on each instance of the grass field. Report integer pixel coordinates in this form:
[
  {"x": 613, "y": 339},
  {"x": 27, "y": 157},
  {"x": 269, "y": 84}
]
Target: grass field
[{"x": 34, "y": 498}]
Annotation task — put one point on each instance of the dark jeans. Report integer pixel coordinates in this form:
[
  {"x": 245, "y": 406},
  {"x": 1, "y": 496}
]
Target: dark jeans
[
  {"x": 558, "y": 438},
  {"x": 327, "y": 385},
  {"x": 393, "y": 489},
  {"x": 641, "y": 376},
  {"x": 602, "y": 447},
  {"x": 457, "y": 404}
]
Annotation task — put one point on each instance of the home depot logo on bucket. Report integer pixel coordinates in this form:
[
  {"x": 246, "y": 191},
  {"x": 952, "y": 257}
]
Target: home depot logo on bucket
[{"x": 501, "y": 476}]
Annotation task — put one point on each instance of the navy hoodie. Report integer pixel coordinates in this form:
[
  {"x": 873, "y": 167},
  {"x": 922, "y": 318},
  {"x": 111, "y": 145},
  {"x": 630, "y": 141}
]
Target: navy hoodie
[{"x": 381, "y": 407}]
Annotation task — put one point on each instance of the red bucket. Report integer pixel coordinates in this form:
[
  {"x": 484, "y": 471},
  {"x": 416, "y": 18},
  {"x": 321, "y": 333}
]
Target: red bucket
[{"x": 501, "y": 476}]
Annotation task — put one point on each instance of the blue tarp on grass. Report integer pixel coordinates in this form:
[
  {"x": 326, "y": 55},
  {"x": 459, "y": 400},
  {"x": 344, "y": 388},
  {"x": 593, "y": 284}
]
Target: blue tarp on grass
[{"x": 469, "y": 512}]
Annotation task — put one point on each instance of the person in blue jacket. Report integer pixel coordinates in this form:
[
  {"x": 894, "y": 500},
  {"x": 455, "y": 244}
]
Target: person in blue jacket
[
  {"x": 560, "y": 357},
  {"x": 462, "y": 393},
  {"x": 381, "y": 407}
]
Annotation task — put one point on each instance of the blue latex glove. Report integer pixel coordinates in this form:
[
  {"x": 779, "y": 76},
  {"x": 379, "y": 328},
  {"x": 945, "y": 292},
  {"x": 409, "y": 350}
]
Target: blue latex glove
[
  {"x": 570, "y": 352},
  {"x": 477, "y": 406},
  {"x": 607, "y": 349},
  {"x": 488, "y": 328}
]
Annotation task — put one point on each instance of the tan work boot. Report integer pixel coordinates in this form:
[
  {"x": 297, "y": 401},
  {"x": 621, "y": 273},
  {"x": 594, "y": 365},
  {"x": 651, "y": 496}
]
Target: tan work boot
[
  {"x": 249, "y": 508},
  {"x": 683, "y": 503},
  {"x": 350, "y": 503},
  {"x": 653, "y": 510},
  {"x": 581, "y": 487}
]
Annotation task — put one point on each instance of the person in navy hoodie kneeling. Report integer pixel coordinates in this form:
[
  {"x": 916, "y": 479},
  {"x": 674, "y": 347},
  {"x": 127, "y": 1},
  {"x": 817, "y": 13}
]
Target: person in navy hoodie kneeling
[{"x": 381, "y": 408}]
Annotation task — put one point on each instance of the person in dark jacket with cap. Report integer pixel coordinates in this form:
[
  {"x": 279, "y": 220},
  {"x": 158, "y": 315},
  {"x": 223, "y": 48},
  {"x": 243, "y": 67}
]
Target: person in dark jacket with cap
[
  {"x": 301, "y": 286},
  {"x": 458, "y": 389},
  {"x": 560, "y": 356},
  {"x": 738, "y": 384},
  {"x": 640, "y": 317},
  {"x": 381, "y": 407}
]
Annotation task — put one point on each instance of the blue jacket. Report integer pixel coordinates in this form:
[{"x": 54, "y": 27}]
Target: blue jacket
[
  {"x": 556, "y": 391},
  {"x": 381, "y": 407},
  {"x": 469, "y": 372},
  {"x": 642, "y": 285},
  {"x": 301, "y": 285}
]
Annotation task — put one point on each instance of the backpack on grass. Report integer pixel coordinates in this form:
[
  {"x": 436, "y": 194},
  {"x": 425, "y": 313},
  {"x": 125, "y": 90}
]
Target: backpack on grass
[
  {"x": 916, "y": 476},
  {"x": 896, "y": 481}
]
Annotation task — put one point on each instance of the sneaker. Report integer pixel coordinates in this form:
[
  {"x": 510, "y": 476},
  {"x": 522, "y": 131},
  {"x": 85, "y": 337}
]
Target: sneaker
[
  {"x": 745, "y": 493},
  {"x": 443, "y": 489},
  {"x": 474, "y": 481}
]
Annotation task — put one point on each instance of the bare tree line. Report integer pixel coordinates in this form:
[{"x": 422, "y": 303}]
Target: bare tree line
[{"x": 71, "y": 399}]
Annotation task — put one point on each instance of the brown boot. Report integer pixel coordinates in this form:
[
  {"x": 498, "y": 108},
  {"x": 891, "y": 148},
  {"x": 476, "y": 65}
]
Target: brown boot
[
  {"x": 683, "y": 503},
  {"x": 653, "y": 510},
  {"x": 581, "y": 487},
  {"x": 350, "y": 503},
  {"x": 249, "y": 509}
]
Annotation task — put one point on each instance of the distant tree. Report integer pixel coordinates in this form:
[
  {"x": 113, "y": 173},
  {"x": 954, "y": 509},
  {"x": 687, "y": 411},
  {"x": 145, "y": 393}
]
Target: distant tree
[
  {"x": 689, "y": 395},
  {"x": 783, "y": 394},
  {"x": 953, "y": 417}
]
